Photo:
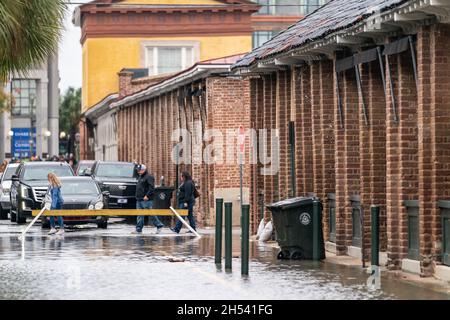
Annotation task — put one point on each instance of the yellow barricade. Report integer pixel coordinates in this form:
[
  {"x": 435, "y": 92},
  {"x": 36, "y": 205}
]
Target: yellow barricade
[{"x": 110, "y": 212}]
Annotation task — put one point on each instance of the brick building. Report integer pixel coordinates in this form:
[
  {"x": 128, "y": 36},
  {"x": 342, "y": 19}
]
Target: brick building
[
  {"x": 148, "y": 113},
  {"x": 366, "y": 84}
]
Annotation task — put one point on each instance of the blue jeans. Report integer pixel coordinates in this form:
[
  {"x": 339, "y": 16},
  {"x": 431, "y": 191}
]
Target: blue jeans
[
  {"x": 191, "y": 219},
  {"x": 140, "y": 219},
  {"x": 60, "y": 222}
]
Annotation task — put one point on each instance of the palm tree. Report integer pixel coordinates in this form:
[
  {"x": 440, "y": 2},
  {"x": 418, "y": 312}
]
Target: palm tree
[{"x": 29, "y": 33}]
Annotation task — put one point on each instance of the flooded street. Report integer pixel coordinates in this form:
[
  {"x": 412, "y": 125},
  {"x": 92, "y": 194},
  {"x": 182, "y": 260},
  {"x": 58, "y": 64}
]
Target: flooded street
[{"x": 88, "y": 263}]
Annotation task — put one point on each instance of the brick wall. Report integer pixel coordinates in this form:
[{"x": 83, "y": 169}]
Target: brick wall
[{"x": 145, "y": 136}]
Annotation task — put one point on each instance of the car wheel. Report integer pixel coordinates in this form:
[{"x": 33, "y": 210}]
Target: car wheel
[
  {"x": 3, "y": 214},
  {"x": 12, "y": 216}
]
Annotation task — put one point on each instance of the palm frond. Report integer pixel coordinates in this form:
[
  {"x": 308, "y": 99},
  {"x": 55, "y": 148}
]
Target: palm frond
[{"x": 30, "y": 31}]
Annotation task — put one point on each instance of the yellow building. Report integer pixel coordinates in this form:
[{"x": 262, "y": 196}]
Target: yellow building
[{"x": 163, "y": 36}]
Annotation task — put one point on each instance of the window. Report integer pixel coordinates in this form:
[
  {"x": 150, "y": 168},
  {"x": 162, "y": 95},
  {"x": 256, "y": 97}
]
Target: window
[
  {"x": 24, "y": 97},
  {"x": 260, "y": 37},
  {"x": 40, "y": 173},
  {"x": 116, "y": 170},
  {"x": 169, "y": 57},
  {"x": 289, "y": 7}
]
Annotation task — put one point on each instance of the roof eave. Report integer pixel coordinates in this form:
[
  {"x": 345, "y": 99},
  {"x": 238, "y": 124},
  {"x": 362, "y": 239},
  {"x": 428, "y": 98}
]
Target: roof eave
[{"x": 372, "y": 30}]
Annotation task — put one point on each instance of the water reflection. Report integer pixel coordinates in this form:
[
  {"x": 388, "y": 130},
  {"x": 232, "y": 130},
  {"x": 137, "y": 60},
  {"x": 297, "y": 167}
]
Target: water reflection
[{"x": 112, "y": 264}]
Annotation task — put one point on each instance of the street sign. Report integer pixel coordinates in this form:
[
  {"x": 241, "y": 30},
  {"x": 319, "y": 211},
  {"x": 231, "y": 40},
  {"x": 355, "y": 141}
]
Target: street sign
[{"x": 21, "y": 139}]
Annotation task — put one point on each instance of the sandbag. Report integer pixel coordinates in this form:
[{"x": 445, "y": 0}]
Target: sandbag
[{"x": 266, "y": 233}]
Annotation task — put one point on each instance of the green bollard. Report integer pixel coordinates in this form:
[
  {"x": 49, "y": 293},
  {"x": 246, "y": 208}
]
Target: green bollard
[
  {"x": 245, "y": 239},
  {"x": 316, "y": 229},
  {"x": 219, "y": 213},
  {"x": 228, "y": 234},
  {"x": 375, "y": 215}
]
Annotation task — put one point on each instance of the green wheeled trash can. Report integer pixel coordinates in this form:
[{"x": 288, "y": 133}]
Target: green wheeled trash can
[
  {"x": 162, "y": 197},
  {"x": 294, "y": 225}
]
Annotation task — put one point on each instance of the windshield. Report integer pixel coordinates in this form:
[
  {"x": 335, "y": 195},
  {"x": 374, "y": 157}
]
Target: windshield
[
  {"x": 7, "y": 175},
  {"x": 40, "y": 173},
  {"x": 79, "y": 188},
  {"x": 84, "y": 166},
  {"x": 116, "y": 170}
]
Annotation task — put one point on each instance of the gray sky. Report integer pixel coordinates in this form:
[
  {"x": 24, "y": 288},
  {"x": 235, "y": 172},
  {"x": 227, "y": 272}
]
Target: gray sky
[{"x": 70, "y": 54}]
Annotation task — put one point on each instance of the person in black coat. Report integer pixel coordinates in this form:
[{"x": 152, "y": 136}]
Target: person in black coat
[
  {"x": 186, "y": 200},
  {"x": 144, "y": 198}
]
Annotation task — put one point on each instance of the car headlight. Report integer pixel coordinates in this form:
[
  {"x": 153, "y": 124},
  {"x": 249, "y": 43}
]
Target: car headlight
[
  {"x": 98, "y": 205},
  {"x": 91, "y": 207},
  {"x": 24, "y": 192}
]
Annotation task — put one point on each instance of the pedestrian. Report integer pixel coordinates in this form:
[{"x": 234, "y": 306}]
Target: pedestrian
[
  {"x": 57, "y": 202},
  {"x": 144, "y": 198},
  {"x": 186, "y": 200},
  {"x": 3, "y": 166}
]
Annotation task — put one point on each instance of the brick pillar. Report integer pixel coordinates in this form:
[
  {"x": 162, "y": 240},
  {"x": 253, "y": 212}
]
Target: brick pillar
[
  {"x": 352, "y": 114},
  {"x": 296, "y": 114},
  {"x": 340, "y": 165},
  {"x": 306, "y": 127},
  {"x": 282, "y": 124},
  {"x": 327, "y": 127},
  {"x": 402, "y": 157},
  {"x": 434, "y": 130},
  {"x": 408, "y": 131},
  {"x": 267, "y": 125},
  {"x": 316, "y": 115},
  {"x": 377, "y": 119},
  {"x": 393, "y": 206},
  {"x": 273, "y": 126},
  {"x": 257, "y": 115},
  {"x": 365, "y": 155}
]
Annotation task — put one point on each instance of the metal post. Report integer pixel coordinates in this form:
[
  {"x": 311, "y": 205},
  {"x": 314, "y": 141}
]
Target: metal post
[
  {"x": 316, "y": 230},
  {"x": 359, "y": 85},
  {"x": 383, "y": 77},
  {"x": 375, "y": 212},
  {"x": 219, "y": 212},
  {"x": 391, "y": 87},
  {"x": 228, "y": 234},
  {"x": 292, "y": 145},
  {"x": 414, "y": 63},
  {"x": 245, "y": 239}
]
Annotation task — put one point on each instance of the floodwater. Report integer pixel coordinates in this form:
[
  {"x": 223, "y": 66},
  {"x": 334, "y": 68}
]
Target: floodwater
[{"x": 88, "y": 263}]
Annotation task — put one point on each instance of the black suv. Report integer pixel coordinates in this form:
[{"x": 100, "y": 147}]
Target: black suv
[
  {"x": 30, "y": 184},
  {"x": 119, "y": 179}
]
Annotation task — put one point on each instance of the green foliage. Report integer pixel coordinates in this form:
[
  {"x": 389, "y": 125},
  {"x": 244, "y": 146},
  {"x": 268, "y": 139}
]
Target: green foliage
[
  {"x": 70, "y": 111},
  {"x": 29, "y": 33}
]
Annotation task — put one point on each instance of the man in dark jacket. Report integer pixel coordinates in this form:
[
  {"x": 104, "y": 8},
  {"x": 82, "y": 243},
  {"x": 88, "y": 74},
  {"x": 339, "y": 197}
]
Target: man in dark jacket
[{"x": 144, "y": 195}]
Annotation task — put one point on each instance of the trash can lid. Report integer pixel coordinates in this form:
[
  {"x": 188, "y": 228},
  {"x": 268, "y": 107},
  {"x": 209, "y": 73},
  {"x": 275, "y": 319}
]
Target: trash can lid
[
  {"x": 165, "y": 188},
  {"x": 292, "y": 203}
]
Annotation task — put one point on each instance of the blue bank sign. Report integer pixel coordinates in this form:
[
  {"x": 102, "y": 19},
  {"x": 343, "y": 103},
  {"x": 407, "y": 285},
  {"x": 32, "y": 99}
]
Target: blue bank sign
[{"x": 21, "y": 143}]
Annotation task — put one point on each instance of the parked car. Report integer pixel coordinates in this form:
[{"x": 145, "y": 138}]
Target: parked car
[
  {"x": 29, "y": 186},
  {"x": 119, "y": 179},
  {"x": 5, "y": 188},
  {"x": 84, "y": 167},
  {"x": 81, "y": 193}
]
